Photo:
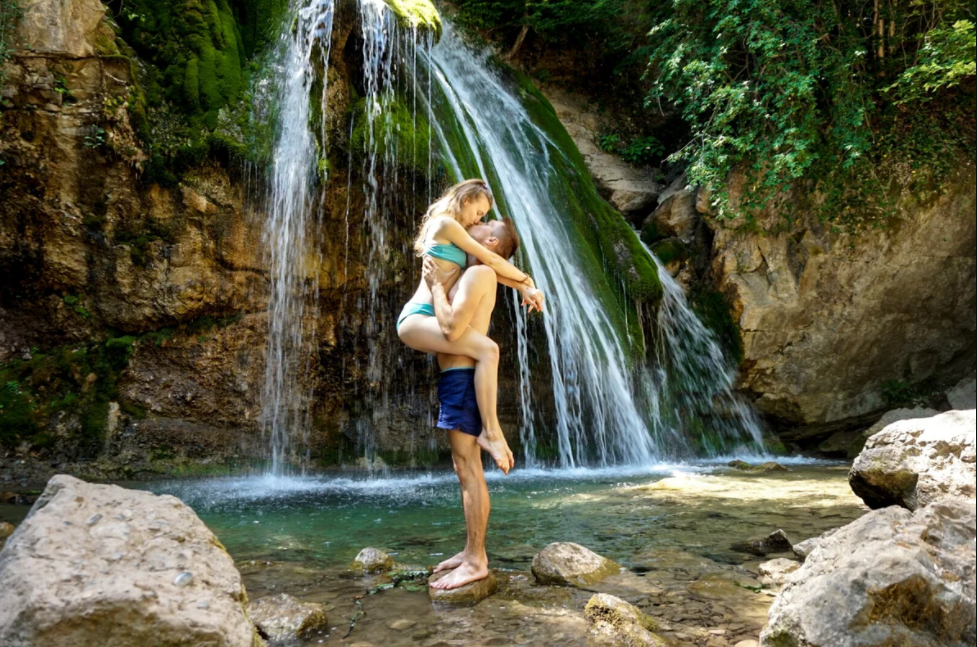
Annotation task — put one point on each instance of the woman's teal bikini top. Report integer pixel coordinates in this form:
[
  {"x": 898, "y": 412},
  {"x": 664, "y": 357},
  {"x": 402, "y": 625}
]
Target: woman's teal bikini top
[{"x": 450, "y": 252}]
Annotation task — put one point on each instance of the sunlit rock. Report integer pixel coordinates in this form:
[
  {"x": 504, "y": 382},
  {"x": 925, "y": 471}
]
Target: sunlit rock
[
  {"x": 372, "y": 560},
  {"x": 893, "y": 577},
  {"x": 915, "y": 462},
  {"x": 94, "y": 563},
  {"x": 471, "y": 593},
  {"x": 616, "y": 622},
  {"x": 65, "y": 27},
  {"x": 282, "y": 618},
  {"x": 569, "y": 564},
  {"x": 774, "y": 573}
]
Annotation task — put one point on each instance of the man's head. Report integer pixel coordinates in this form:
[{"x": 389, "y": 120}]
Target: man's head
[{"x": 498, "y": 236}]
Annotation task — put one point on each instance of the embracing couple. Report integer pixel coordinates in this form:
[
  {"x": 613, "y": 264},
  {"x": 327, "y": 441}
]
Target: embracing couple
[{"x": 449, "y": 315}]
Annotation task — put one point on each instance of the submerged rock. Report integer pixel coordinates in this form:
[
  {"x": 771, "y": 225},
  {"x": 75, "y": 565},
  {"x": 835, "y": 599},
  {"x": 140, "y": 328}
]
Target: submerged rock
[
  {"x": 618, "y": 623},
  {"x": 762, "y": 468},
  {"x": 774, "y": 573},
  {"x": 92, "y": 564},
  {"x": 6, "y": 529},
  {"x": 569, "y": 564},
  {"x": 372, "y": 560},
  {"x": 892, "y": 577},
  {"x": 472, "y": 593},
  {"x": 775, "y": 542},
  {"x": 915, "y": 462},
  {"x": 282, "y": 618}
]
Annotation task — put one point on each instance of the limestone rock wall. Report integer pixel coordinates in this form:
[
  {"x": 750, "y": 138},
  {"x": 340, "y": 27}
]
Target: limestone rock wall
[{"x": 828, "y": 319}]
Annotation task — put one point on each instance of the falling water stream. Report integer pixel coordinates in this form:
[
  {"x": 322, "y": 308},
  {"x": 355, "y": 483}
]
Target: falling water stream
[{"x": 610, "y": 405}]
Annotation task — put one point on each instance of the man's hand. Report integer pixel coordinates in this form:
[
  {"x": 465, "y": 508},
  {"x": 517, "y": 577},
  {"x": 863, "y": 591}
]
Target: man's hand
[
  {"x": 533, "y": 298},
  {"x": 434, "y": 275}
]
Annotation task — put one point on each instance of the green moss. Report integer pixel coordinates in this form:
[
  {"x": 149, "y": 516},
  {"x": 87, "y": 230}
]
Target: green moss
[
  {"x": 714, "y": 312},
  {"x": 670, "y": 250},
  {"x": 421, "y": 14},
  {"x": 191, "y": 84},
  {"x": 398, "y": 128}
]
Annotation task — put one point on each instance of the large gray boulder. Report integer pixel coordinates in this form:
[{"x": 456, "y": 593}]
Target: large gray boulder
[
  {"x": 569, "y": 564},
  {"x": 100, "y": 565},
  {"x": 851, "y": 444},
  {"x": 915, "y": 462},
  {"x": 963, "y": 396},
  {"x": 893, "y": 577}
]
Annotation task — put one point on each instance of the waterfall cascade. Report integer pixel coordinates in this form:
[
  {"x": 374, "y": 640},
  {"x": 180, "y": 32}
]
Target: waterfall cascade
[
  {"x": 609, "y": 408},
  {"x": 290, "y": 232}
]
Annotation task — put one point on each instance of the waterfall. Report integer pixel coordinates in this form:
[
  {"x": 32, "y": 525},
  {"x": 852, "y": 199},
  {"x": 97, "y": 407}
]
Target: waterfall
[
  {"x": 293, "y": 210},
  {"x": 611, "y": 405},
  {"x": 692, "y": 381}
]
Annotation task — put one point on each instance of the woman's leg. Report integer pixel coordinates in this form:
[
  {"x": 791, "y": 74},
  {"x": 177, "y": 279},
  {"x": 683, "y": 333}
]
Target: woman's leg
[{"x": 423, "y": 333}]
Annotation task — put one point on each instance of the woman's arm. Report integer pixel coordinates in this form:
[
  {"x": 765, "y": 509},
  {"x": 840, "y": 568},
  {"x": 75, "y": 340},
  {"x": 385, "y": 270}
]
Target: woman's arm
[
  {"x": 454, "y": 233},
  {"x": 530, "y": 295}
]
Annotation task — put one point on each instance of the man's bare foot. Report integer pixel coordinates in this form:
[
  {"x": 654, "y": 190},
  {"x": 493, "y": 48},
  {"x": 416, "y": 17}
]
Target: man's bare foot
[
  {"x": 453, "y": 562},
  {"x": 494, "y": 443},
  {"x": 467, "y": 573}
]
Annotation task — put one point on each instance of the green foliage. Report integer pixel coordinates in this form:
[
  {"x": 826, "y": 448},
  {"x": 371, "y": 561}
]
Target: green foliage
[
  {"x": 95, "y": 138},
  {"x": 670, "y": 250},
  {"x": 795, "y": 91},
  {"x": 551, "y": 19},
  {"x": 80, "y": 381},
  {"x": 640, "y": 151},
  {"x": 903, "y": 393},
  {"x": 945, "y": 60},
  {"x": 139, "y": 236},
  {"x": 10, "y": 13}
]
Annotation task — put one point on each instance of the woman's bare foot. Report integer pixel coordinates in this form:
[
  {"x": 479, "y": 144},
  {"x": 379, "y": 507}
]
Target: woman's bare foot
[
  {"x": 453, "y": 562},
  {"x": 494, "y": 443},
  {"x": 467, "y": 573}
]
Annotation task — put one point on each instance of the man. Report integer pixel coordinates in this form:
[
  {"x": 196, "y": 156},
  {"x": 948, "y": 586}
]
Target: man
[{"x": 470, "y": 303}]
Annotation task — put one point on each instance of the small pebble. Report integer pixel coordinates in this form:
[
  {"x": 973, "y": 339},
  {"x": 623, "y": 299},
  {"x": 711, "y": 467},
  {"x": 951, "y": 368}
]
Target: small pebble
[
  {"x": 183, "y": 578},
  {"x": 92, "y": 520}
]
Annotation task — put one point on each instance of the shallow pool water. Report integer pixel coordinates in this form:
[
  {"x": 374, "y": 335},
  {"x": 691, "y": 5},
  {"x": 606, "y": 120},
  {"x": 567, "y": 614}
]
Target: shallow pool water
[{"x": 672, "y": 526}]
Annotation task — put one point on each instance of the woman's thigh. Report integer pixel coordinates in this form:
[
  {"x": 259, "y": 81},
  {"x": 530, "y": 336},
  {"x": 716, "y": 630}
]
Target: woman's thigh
[{"x": 423, "y": 333}]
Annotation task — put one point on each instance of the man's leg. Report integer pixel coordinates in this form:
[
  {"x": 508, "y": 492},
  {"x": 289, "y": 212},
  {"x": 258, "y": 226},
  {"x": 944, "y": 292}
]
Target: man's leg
[{"x": 467, "y": 456}]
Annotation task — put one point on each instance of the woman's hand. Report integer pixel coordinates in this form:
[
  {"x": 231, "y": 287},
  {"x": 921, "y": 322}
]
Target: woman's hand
[
  {"x": 532, "y": 298},
  {"x": 434, "y": 275}
]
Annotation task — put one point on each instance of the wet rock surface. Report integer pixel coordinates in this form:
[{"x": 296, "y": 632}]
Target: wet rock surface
[
  {"x": 912, "y": 463},
  {"x": 469, "y": 594},
  {"x": 95, "y": 562},
  {"x": 616, "y": 622},
  {"x": 775, "y": 542},
  {"x": 893, "y": 577},
  {"x": 282, "y": 618},
  {"x": 774, "y": 573},
  {"x": 762, "y": 468},
  {"x": 569, "y": 564},
  {"x": 372, "y": 560}
]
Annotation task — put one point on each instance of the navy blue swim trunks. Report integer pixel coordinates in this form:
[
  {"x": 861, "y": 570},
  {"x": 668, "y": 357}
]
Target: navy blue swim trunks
[{"x": 459, "y": 408}]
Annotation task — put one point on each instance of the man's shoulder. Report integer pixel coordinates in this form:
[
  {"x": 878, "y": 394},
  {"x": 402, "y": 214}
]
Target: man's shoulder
[{"x": 480, "y": 274}]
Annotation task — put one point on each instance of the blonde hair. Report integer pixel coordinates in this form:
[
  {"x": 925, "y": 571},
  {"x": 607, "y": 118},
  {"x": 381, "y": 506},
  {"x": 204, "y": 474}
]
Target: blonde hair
[{"x": 450, "y": 204}]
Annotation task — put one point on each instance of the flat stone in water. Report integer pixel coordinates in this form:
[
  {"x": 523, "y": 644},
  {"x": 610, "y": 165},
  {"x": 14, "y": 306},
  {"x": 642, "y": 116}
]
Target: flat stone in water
[
  {"x": 470, "y": 594},
  {"x": 284, "y": 618}
]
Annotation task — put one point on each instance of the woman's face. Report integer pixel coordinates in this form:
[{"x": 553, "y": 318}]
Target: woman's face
[{"x": 473, "y": 211}]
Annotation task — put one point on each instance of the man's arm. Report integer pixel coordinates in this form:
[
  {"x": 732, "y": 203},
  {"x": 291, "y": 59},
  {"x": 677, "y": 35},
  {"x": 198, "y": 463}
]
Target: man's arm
[{"x": 455, "y": 316}]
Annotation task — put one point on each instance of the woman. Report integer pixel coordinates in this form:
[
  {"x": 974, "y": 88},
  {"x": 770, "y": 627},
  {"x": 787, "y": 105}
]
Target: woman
[{"x": 444, "y": 238}]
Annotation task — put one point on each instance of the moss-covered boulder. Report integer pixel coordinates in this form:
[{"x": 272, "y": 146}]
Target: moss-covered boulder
[{"x": 419, "y": 14}]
